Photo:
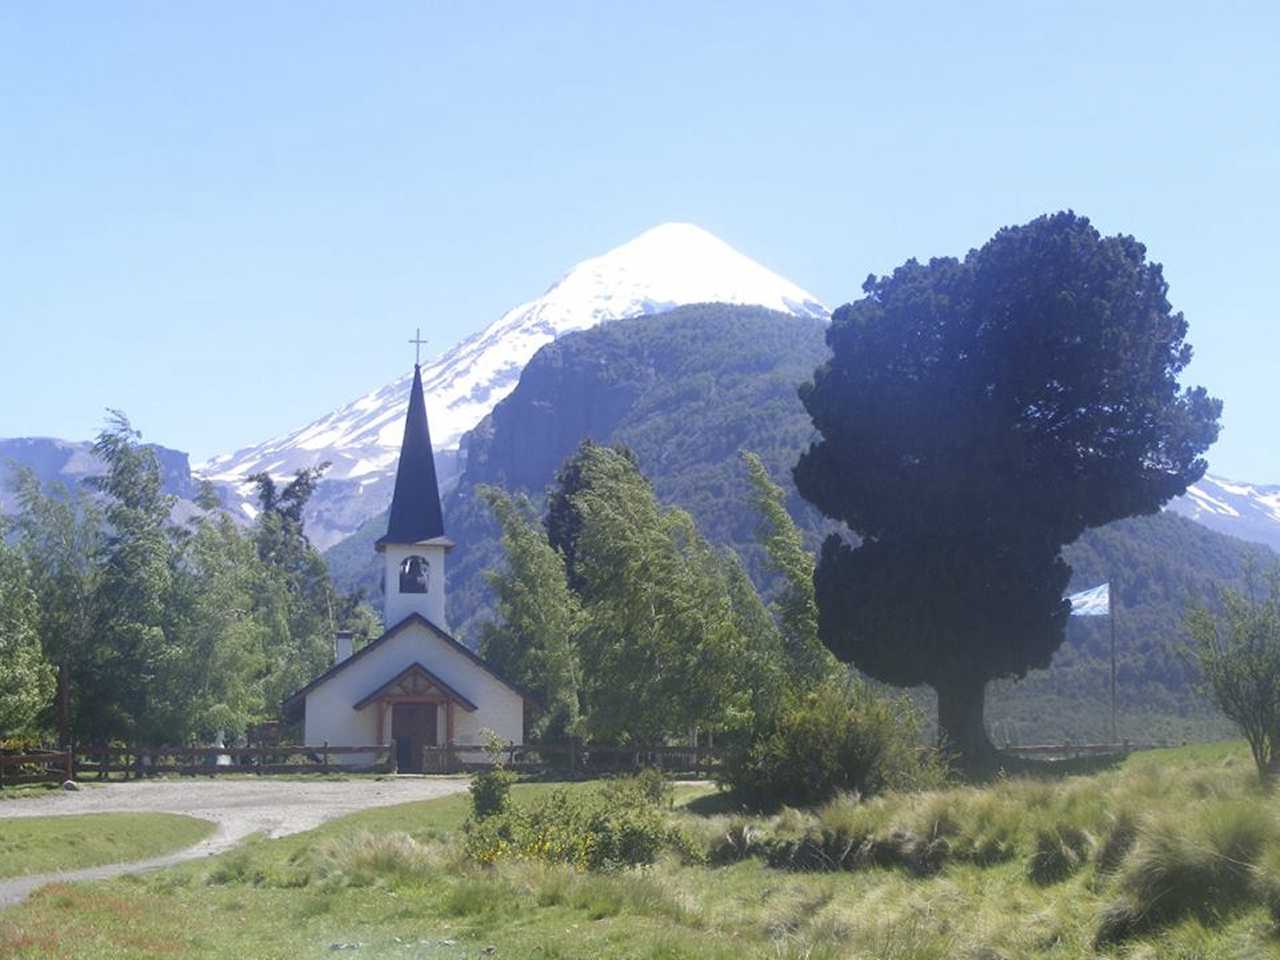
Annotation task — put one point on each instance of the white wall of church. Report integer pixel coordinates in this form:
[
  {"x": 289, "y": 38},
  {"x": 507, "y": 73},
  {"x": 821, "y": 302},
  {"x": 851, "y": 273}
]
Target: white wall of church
[
  {"x": 330, "y": 717},
  {"x": 400, "y": 605}
]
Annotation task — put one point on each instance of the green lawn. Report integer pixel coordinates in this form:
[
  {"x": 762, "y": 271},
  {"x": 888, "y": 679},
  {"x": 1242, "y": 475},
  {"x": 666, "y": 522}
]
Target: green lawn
[
  {"x": 389, "y": 883},
  {"x": 47, "y": 844}
]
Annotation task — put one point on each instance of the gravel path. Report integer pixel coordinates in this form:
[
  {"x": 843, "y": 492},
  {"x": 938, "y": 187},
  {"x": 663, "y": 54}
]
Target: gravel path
[{"x": 238, "y": 808}]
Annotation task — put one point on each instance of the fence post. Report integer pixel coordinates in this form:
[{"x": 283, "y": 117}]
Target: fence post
[
  {"x": 325, "y": 764},
  {"x": 71, "y": 765}
]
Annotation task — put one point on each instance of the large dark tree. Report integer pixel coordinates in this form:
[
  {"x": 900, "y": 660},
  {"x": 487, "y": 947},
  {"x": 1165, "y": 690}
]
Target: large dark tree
[{"x": 975, "y": 417}]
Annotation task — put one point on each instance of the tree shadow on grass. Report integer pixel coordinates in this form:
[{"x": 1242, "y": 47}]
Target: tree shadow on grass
[{"x": 715, "y": 804}]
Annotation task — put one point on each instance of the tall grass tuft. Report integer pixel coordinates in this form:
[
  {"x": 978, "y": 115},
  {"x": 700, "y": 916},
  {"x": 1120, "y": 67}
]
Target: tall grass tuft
[
  {"x": 1202, "y": 866},
  {"x": 1266, "y": 883},
  {"x": 604, "y": 895},
  {"x": 1059, "y": 852},
  {"x": 1120, "y": 838},
  {"x": 362, "y": 859}
]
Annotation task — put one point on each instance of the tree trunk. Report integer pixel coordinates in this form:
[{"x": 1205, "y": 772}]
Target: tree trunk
[
  {"x": 1269, "y": 772},
  {"x": 62, "y": 707},
  {"x": 960, "y": 723}
]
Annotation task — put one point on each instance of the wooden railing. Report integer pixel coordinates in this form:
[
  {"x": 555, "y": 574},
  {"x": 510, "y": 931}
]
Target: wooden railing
[
  {"x": 573, "y": 758},
  {"x": 1069, "y": 749},
  {"x": 45, "y": 766},
  {"x": 210, "y": 761}
]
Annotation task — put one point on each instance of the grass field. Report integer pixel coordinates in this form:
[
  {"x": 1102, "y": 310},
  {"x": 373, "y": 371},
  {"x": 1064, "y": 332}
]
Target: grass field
[
  {"x": 1033, "y": 868},
  {"x": 47, "y": 844}
]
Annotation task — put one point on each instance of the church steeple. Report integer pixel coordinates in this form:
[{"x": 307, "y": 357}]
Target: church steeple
[
  {"x": 414, "y": 546},
  {"x": 415, "y": 506}
]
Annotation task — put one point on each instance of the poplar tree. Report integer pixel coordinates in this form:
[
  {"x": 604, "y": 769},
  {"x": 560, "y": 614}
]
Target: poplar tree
[
  {"x": 59, "y": 535},
  {"x": 797, "y": 608},
  {"x": 137, "y": 558},
  {"x": 533, "y": 640},
  {"x": 664, "y": 649},
  {"x": 26, "y": 678}
]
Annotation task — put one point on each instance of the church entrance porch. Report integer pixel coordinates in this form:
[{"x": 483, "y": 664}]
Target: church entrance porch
[
  {"x": 417, "y": 703},
  {"x": 413, "y": 726}
]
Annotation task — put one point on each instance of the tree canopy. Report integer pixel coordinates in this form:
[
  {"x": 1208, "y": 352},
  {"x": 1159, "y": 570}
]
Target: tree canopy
[
  {"x": 660, "y": 632},
  {"x": 534, "y": 638},
  {"x": 26, "y": 679},
  {"x": 159, "y": 631},
  {"x": 1238, "y": 654},
  {"x": 977, "y": 415}
]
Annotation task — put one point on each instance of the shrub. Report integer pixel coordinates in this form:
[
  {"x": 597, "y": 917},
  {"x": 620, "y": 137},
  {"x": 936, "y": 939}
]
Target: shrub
[
  {"x": 840, "y": 737},
  {"x": 587, "y": 829},
  {"x": 739, "y": 840},
  {"x": 490, "y": 792},
  {"x": 1239, "y": 660},
  {"x": 648, "y": 786}
]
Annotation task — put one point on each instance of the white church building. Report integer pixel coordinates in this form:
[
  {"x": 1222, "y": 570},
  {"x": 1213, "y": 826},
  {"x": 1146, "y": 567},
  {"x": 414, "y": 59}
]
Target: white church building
[{"x": 415, "y": 686}]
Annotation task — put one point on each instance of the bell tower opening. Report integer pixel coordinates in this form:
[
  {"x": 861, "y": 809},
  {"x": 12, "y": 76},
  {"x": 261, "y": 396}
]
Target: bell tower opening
[{"x": 415, "y": 575}]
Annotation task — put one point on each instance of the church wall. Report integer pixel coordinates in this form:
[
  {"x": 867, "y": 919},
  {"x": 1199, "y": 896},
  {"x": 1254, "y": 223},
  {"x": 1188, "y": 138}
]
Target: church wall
[{"x": 330, "y": 717}]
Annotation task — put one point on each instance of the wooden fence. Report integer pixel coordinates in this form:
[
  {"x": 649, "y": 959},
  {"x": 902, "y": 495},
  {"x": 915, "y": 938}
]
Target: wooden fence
[
  {"x": 574, "y": 759},
  {"x": 36, "y": 767},
  {"x": 1068, "y": 749},
  {"x": 210, "y": 761}
]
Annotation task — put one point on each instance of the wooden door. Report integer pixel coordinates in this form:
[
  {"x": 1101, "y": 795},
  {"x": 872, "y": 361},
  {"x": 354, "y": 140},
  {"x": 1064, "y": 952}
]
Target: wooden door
[{"x": 413, "y": 726}]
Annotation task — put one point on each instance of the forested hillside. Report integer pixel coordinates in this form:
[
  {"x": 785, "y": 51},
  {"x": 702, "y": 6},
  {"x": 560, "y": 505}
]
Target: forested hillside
[
  {"x": 1158, "y": 566},
  {"x": 689, "y": 389}
]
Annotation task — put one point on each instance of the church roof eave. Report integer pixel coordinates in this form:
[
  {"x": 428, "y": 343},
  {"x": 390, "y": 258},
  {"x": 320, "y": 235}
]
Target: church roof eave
[{"x": 383, "y": 542}]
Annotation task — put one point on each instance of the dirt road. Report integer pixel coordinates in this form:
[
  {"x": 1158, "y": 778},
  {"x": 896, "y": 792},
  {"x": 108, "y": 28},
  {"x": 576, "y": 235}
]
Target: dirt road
[{"x": 239, "y": 808}]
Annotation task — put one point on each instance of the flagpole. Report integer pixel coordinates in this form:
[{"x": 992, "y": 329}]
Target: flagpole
[{"x": 1111, "y": 615}]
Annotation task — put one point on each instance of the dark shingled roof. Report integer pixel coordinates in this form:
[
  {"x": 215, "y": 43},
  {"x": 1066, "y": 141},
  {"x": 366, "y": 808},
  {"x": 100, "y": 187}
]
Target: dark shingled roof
[{"x": 415, "y": 506}]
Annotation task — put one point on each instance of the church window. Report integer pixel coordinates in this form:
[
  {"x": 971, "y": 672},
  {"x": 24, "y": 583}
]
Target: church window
[{"x": 415, "y": 575}]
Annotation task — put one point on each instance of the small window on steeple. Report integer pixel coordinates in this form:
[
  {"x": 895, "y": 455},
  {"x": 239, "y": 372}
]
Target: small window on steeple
[{"x": 415, "y": 575}]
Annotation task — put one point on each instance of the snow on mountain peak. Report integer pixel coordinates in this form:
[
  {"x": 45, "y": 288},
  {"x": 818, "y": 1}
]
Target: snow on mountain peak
[{"x": 667, "y": 266}]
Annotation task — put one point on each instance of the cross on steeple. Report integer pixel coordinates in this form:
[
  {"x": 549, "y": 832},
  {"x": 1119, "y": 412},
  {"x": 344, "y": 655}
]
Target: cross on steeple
[{"x": 417, "y": 342}]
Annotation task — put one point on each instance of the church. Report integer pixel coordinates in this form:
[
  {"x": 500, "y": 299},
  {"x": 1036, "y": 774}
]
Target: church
[{"x": 415, "y": 686}]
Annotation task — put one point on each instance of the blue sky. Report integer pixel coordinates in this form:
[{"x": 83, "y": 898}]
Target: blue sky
[{"x": 227, "y": 219}]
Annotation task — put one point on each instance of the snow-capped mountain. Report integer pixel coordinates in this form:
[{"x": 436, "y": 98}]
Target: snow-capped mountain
[
  {"x": 1248, "y": 511},
  {"x": 667, "y": 266}
]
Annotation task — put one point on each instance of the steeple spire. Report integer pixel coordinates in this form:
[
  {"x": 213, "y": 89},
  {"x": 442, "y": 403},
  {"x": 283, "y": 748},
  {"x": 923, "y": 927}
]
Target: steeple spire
[{"x": 415, "y": 506}]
